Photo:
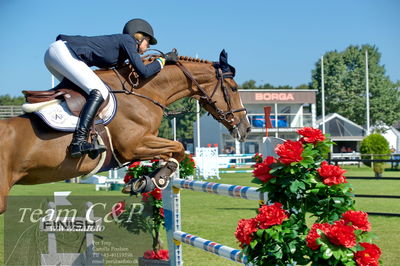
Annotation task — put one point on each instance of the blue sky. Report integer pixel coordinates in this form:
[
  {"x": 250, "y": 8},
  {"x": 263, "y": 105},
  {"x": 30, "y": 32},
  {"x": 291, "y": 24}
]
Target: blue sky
[{"x": 276, "y": 42}]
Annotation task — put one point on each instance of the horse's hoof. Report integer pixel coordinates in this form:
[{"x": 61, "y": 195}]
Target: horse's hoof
[
  {"x": 133, "y": 187},
  {"x": 143, "y": 185}
]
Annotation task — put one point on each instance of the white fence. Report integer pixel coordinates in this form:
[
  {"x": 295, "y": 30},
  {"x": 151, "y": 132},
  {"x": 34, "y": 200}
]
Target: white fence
[
  {"x": 347, "y": 155},
  {"x": 7, "y": 111}
]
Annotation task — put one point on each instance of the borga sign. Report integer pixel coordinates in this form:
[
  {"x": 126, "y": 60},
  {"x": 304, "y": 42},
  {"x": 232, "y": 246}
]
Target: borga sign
[{"x": 277, "y": 96}]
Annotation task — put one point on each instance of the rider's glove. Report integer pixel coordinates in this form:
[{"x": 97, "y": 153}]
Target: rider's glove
[{"x": 171, "y": 57}]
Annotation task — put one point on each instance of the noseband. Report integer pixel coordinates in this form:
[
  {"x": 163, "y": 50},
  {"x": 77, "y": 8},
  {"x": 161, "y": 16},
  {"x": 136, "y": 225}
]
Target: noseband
[{"x": 205, "y": 99}]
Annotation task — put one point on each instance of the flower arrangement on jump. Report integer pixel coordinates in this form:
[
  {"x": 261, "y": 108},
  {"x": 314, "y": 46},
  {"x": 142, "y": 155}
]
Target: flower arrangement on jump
[
  {"x": 257, "y": 158},
  {"x": 187, "y": 167},
  {"x": 152, "y": 220},
  {"x": 299, "y": 182}
]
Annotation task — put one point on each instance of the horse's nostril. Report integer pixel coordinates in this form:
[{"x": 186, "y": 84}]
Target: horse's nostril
[{"x": 248, "y": 130}]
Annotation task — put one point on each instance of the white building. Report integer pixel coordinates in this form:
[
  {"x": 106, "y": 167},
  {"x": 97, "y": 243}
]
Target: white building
[
  {"x": 345, "y": 133},
  {"x": 392, "y": 135}
]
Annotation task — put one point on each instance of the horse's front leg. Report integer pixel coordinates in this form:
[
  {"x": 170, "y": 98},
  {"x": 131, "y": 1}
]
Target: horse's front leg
[{"x": 154, "y": 147}]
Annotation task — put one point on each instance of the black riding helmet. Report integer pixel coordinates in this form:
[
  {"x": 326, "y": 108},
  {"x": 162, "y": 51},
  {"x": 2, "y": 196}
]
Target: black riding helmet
[{"x": 139, "y": 25}]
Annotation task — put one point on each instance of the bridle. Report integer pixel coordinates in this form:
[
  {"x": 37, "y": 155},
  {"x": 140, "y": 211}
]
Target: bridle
[{"x": 205, "y": 99}]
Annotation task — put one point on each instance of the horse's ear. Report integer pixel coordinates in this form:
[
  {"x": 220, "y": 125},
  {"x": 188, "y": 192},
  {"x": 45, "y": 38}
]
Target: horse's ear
[
  {"x": 223, "y": 58},
  {"x": 223, "y": 63}
]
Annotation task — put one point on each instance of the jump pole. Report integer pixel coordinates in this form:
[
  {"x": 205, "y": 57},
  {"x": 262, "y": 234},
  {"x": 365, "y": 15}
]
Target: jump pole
[{"x": 172, "y": 211}]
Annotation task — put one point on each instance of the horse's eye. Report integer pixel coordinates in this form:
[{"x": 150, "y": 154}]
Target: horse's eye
[{"x": 234, "y": 88}]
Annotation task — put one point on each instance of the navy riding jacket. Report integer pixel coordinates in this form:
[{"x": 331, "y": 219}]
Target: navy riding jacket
[{"x": 109, "y": 50}]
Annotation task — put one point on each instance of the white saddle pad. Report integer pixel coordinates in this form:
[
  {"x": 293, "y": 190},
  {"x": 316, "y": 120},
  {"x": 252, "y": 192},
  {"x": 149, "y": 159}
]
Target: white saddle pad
[{"x": 57, "y": 115}]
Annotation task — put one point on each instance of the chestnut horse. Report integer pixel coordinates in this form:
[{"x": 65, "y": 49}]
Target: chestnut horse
[{"x": 32, "y": 153}]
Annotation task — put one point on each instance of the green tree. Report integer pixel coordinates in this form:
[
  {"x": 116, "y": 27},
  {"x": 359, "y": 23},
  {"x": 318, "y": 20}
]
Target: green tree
[
  {"x": 251, "y": 85},
  {"x": 344, "y": 74},
  {"x": 8, "y": 100},
  {"x": 248, "y": 85},
  {"x": 375, "y": 144}
]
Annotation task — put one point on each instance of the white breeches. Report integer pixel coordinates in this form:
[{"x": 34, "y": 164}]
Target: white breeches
[{"x": 62, "y": 63}]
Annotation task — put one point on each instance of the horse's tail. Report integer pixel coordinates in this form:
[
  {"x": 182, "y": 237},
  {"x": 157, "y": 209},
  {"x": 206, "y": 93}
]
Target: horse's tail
[
  {"x": 5, "y": 172},
  {"x": 8, "y": 139},
  {"x": 3, "y": 126},
  {"x": 4, "y": 140}
]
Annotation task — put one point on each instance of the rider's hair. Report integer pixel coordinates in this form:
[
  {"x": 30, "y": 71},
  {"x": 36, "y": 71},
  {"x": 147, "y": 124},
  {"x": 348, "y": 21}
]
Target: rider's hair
[{"x": 139, "y": 36}]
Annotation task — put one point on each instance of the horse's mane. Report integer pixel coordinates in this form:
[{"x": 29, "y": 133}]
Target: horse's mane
[
  {"x": 191, "y": 59},
  {"x": 183, "y": 58}
]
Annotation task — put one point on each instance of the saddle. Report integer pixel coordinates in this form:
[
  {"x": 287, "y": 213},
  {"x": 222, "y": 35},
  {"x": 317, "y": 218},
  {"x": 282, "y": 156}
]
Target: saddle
[
  {"x": 74, "y": 96},
  {"x": 74, "y": 99}
]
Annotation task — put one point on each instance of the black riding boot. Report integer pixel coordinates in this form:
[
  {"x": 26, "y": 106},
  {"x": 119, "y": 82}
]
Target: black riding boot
[{"x": 79, "y": 145}]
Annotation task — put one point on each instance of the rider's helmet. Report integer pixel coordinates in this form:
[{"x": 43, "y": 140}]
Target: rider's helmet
[{"x": 138, "y": 25}]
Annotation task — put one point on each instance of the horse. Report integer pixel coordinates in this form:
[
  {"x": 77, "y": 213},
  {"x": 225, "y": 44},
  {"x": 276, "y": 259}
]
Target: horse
[{"x": 32, "y": 153}]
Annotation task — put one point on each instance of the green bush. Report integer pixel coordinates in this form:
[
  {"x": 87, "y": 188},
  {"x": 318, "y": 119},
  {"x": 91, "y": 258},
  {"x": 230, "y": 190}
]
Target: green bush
[{"x": 375, "y": 144}]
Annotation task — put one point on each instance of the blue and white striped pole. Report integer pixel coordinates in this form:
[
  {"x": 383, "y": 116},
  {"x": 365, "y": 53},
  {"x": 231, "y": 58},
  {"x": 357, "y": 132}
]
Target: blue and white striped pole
[{"x": 210, "y": 246}]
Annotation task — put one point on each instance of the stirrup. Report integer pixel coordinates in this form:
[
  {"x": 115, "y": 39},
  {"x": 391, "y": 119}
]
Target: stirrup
[
  {"x": 97, "y": 149},
  {"x": 93, "y": 150}
]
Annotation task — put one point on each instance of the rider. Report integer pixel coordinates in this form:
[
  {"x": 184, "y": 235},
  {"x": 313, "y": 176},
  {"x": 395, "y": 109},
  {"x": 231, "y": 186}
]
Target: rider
[{"x": 72, "y": 56}]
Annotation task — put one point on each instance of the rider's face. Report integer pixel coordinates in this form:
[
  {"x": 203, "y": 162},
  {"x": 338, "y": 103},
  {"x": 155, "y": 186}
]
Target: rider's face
[{"x": 144, "y": 45}]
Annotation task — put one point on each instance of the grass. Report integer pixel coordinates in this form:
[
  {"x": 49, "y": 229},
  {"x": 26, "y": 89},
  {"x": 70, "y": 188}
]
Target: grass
[{"x": 215, "y": 217}]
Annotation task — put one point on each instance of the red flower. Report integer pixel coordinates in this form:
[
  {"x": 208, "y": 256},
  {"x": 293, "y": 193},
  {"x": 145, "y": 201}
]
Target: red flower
[
  {"x": 162, "y": 254},
  {"x": 357, "y": 219},
  {"x": 162, "y": 212},
  {"x": 311, "y": 135},
  {"x": 313, "y": 235},
  {"x": 145, "y": 196},
  {"x": 261, "y": 170},
  {"x": 289, "y": 151},
  {"x": 154, "y": 160},
  {"x": 369, "y": 256},
  {"x": 118, "y": 208},
  {"x": 341, "y": 235},
  {"x": 244, "y": 231},
  {"x": 149, "y": 255},
  {"x": 156, "y": 193},
  {"x": 127, "y": 178},
  {"x": 134, "y": 164},
  {"x": 331, "y": 174},
  {"x": 269, "y": 215}
]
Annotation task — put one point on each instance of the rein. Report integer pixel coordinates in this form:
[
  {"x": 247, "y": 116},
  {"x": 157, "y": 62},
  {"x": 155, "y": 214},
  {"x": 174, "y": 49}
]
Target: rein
[
  {"x": 205, "y": 99},
  {"x": 134, "y": 85}
]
